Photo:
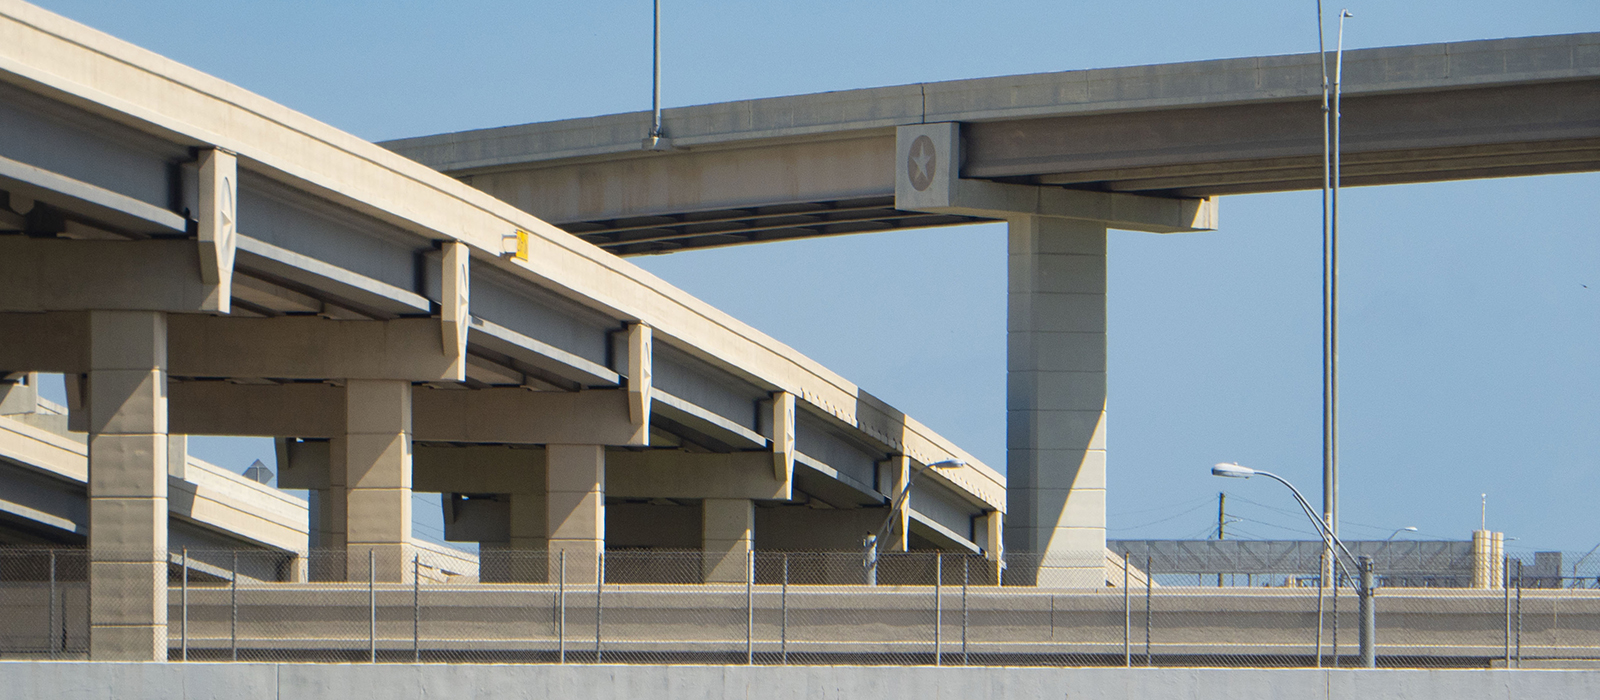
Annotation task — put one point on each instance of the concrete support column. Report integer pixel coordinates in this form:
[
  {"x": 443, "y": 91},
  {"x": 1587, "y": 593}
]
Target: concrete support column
[
  {"x": 332, "y": 504},
  {"x": 727, "y": 535},
  {"x": 994, "y": 549},
  {"x": 893, "y": 474},
  {"x": 575, "y": 487},
  {"x": 377, "y": 455},
  {"x": 521, "y": 557},
  {"x": 127, "y": 486},
  {"x": 1056, "y": 402}
]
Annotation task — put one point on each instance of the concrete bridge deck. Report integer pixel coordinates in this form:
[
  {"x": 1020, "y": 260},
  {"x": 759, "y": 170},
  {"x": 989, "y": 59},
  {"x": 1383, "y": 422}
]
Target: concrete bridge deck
[{"x": 825, "y": 164}]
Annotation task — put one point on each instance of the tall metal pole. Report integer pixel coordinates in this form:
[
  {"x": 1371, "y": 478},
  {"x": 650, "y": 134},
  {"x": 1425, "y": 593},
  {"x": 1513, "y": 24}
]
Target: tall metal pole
[
  {"x": 1330, "y": 469},
  {"x": 233, "y": 609},
  {"x": 1332, "y": 379}
]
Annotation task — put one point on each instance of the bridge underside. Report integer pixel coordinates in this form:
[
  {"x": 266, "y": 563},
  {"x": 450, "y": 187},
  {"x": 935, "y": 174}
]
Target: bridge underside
[{"x": 1389, "y": 139}]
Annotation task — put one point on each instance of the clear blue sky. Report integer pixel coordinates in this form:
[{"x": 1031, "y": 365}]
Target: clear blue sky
[{"x": 1471, "y": 353}]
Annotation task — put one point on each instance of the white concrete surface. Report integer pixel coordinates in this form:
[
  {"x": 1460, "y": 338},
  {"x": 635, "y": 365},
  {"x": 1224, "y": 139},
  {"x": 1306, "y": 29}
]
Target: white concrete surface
[{"x": 29, "y": 680}]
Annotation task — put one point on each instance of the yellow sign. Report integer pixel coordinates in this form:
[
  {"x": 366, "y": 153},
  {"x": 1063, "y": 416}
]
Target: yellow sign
[{"x": 520, "y": 251}]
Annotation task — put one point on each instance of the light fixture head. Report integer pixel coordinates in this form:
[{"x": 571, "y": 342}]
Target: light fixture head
[
  {"x": 1232, "y": 471},
  {"x": 949, "y": 464}
]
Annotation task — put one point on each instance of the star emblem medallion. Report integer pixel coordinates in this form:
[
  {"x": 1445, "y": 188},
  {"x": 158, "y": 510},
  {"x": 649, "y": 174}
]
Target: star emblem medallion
[{"x": 922, "y": 162}]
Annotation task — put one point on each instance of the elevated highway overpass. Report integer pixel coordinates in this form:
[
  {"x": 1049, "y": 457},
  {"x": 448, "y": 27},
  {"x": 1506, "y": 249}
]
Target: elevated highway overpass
[
  {"x": 825, "y": 164},
  {"x": 195, "y": 259},
  {"x": 1062, "y": 158}
]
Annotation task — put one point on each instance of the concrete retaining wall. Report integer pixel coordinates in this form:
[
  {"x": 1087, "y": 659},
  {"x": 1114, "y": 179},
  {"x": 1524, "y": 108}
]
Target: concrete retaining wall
[{"x": 132, "y": 681}]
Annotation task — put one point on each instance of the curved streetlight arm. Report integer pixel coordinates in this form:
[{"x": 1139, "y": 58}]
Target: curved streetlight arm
[
  {"x": 1322, "y": 528},
  {"x": 900, "y": 498}
]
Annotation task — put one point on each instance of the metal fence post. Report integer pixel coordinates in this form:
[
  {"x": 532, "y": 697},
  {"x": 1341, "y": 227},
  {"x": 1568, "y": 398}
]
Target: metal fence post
[
  {"x": 750, "y": 609},
  {"x": 966, "y": 580},
  {"x": 1322, "y": 588},
  {"x": 50, "y": 632},
  {"x": 1127, "y": 612},
  {"x": 1505, "y": 580},
  {"x": 1368, "y": 636},
  {"x": 561, "y": 607},
  {"x": 233, "y": 608},
  {"x": 1149, "y": 583},
  {"x": 783, "y": 625},
  {"x": 599, "y": 580},
  {"x": 1519, "y": 613},
  {"x": 372, "y": 607},
  {"x": 1334, "y": 631},
  {"x": 416, "y": 608},
  {"x": 183, "y": 602},
  {"x": 938, "y": 606}
]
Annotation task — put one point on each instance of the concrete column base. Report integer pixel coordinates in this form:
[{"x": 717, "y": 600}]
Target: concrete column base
[
  {"x": 575, "y": 477},
  {"x": 727, "y": 535}
]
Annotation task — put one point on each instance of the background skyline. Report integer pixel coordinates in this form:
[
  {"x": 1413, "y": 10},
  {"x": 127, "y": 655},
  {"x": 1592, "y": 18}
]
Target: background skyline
[{"x": 1469, "y": 340}]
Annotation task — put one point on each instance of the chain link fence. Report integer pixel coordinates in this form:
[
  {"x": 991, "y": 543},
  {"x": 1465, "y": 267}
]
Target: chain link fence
[{"x": 924, "y": 608}]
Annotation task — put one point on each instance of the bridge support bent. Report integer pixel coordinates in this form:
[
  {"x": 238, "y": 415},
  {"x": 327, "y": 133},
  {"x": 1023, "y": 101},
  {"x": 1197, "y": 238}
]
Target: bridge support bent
[
  {"x": 1055, "y": 523},
  {"x": 127, "y": 485}
]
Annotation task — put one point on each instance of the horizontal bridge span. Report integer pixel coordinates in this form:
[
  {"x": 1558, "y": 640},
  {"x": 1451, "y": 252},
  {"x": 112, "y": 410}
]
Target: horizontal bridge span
[{"x": 817, "y": 165}]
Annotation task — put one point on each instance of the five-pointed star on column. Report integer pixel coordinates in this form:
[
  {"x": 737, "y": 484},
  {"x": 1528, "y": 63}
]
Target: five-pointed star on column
[{"x": 920, "y": 157}]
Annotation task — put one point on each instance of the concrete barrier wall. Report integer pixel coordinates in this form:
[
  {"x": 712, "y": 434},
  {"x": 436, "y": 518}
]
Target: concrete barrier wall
[{"x": 152, "y": 681}]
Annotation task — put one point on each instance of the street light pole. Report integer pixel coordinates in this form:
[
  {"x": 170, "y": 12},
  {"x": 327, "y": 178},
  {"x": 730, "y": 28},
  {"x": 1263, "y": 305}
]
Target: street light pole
[
  {"x": 871, "y": 542},
  {"x": 1363, "y": 566}
]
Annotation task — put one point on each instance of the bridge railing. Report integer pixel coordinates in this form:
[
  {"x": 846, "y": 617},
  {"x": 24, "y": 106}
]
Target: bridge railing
[{"x": 787, "y": 608}]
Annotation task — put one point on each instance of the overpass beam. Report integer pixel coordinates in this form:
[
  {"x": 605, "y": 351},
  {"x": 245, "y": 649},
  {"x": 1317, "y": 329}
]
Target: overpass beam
[
  {"x": 377, "y": 453},
  {"x": 128, "y": 486}
]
